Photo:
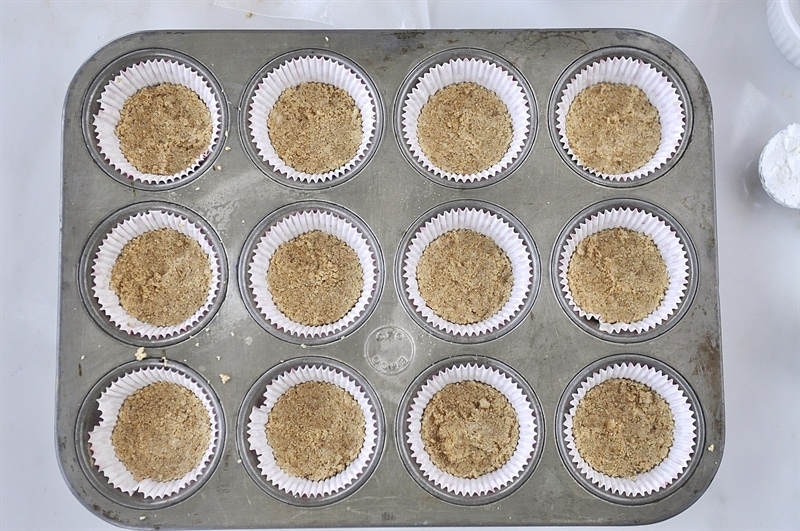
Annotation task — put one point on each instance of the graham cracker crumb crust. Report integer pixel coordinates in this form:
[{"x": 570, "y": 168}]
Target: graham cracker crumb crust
[
  {"x": 316, "y": 429},
  {"x": 163, "y": 129},
  {"x": 613, "y": 128},
  {"x": 623, "y": 428},
  {"x": 464, "y": 128},
  {"x": 469, "y": 429},
  {"x": 161, "y": 277}
]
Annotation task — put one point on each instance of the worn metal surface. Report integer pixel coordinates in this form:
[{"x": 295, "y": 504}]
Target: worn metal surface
[{"x": 390, "y": 349}]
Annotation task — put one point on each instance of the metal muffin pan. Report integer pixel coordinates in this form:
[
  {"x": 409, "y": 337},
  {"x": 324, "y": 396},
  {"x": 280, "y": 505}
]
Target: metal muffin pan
[{"x": 234, "y": 194}]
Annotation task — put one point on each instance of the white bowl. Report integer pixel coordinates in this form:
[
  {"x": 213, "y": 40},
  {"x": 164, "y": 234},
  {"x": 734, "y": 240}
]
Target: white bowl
[{"x": 782, "y": 18}]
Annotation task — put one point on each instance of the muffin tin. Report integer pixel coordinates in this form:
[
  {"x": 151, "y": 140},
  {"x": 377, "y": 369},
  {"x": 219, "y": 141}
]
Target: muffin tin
[{"x": 390, "y": 349}]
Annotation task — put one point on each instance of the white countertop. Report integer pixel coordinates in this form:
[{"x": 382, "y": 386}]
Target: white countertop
[{"x": 755, "y": 93}]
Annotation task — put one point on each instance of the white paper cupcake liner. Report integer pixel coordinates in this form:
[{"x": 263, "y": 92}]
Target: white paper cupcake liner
[
  {"x": 126, "y": 84},
  {"x": 109, "y": 404},
  {"x": 684, "y": 434},
  {"x": 305, "y": 70},
  {"x": 669, "y": 246},
  {"x": 492, "y": 481},
  {"x": 109, "y": 252},
  {"x": 286, "y": 230},
  {"x": 258, "y": 442},
  {"x": 663, "y": 95},
  {"x": 490, "y": 225},
  {"x": 490, "y": 76}
]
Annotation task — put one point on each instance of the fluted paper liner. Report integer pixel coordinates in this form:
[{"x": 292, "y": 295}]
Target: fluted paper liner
[
  {"x": 126, "y": 84},
  {"x": 669, "y": 246},
  {"x": 490, "y": 225},
  {"x": 109, "y": 252},
  {"x": 492, "y": 481},
  {"x": 258, "y": 442},
  {"x": 482, "y": 72},
  {"x": 657, "y": 87},
  {"x": 109, "y": 404},
  {"x": 286, "y": 230},
  {"x": 305, "y": 70},
  {"x": 684, "y": 434}
]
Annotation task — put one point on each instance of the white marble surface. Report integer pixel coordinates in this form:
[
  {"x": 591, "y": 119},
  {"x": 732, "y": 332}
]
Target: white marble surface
[{"x": 755, "y": 93}]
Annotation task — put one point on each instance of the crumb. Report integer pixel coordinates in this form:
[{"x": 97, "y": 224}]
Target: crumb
[
  {"x": 618, "y": 274},
  {"x": 218, "y": 167},
  {"x": 710, "y": 447},
  {"x": 164, "y": 129},
  {"x": 315, "y": 429},
  {"x": 224, "y": 378},
  {"x": 464, "y": 128},
  {"x": 315, "y": 127},
  {"x": 613, "y": 128},
  {"x": 315, "y": 278},
  {"x": 162, "y": 432},
  {"x": 464, "y": 276},
  {"x": 623, "y": 428},
  {"x": 227, "y": 148},
  {"x": 469, "y": 429},
  {"x": 161, "y": 277},
  {"x": 140, "y": 354}
]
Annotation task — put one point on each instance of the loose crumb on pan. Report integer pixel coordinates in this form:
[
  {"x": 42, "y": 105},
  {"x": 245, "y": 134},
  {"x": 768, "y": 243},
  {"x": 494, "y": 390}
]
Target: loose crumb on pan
[
  {"x": 315, "y": 278},
  {"x": 469, "y": 429},
  {"x": 464, "y": 276},
  {"x": 162, "y": 432},
  {"x": 163, "y": 129},
  {"x": 464, "y": 128},
  {"x": 623, "y": 428},
  {"x": 613, "y": 128},
  {"x": 316, "y": 429},
  {"x": 315, "y": 127},
  {"x": 161, "y": 277},
  {"x": 618, "y": 274}
]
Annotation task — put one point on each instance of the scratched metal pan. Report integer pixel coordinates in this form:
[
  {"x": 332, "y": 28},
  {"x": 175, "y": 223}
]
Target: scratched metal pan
[{"x": 390, "y": 352}]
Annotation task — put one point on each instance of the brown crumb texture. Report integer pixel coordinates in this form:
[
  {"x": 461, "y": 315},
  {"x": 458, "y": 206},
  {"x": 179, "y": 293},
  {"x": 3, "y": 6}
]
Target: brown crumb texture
[
  {"x": 161, "y": 277},
  {"x": 464, "y": 276},
  {"x": 623, "y": 428},
  {"x": 162, "y": 432},
  {"x": 164, "y": 129},
  {"x": 469, "y": 429},
  {"x": 315, "y": 278},
  {"x": 315, "y": 127},
  {"x": 464, "y": 128},
  {"x": 613, "y": 128},
  {"x": 618, "y": 274},
  {"x": 315, "y": 429}
]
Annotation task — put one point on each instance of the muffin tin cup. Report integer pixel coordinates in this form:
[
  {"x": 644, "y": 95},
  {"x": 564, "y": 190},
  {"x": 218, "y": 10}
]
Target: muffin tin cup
[
  {"x": 625, "y": 66},
  {"x": 506, "y": 231},
  {"x": 673, "y": 245},
  {"x": 489, "y": 487},
  {"x": 688, "y": 434},
  {"x": 97, "y": 419},
  {"x": 257, "y": 454},
  {"x": 291, "y": 70},
  {"x": 103, "y": 249},
  {"x": 121, "y": 80},
  {"x": 283, "y": 226},
  {"x": 458, "y": 66}
]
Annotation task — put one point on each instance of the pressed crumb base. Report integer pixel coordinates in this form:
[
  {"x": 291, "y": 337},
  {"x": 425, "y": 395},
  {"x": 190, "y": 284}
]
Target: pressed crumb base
[
  {"x": 613, "y": 128},
  {"x": 161, "y": 277},
  {"x": 464, "y": 128},
  {"x": 315, "y": 127},
  {"x": 464, "y": 276},
  {"x": 315, "y": 278},
  {"x": 316, "y": 429},
  {"x": 469, "y": 429},
  {"x": 164, "y": 129},
  {"x": 618, "y": 274},
  {"x": 162, "y": 432},
  {"x": 623, "y": 428}
]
